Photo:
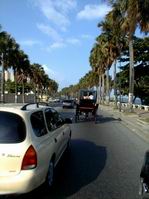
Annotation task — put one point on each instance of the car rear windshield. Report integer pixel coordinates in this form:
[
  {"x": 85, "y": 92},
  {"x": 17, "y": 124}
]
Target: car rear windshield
[{"x": 12, "y": 128}]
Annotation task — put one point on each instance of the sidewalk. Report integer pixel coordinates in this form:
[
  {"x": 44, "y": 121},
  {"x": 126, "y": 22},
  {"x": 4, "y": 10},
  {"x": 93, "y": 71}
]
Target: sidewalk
[{"x": 138, "y": 122}]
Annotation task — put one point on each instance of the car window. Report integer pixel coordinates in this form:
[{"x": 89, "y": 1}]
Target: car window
[
  {"x": 49, "y": 119},
  {"x": 38, "y": 123},
  {"x": 12, "y": 128},
  {"x": 57, "y": 118},
  {"x": 53, "y": 119}
]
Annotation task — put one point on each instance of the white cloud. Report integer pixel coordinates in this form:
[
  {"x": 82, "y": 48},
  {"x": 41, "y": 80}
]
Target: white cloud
[
  {"x": 30, "y": 42},
  {"x": 91, "y": 11},
  {"x": 54, "y": 46},
  {"x": 49, "y": 71},
  {"x": 65, "y": 5},
  {"x": 49, "y": 31},
  {"x": 56, "y": 11},
  {"x": 86, "y": 36},
  {"x": 57, "y": 45},
  {"x": 55, "y": 75},
  {"x": 73, "y": 41},
  {"x": 63, "y": 44}
]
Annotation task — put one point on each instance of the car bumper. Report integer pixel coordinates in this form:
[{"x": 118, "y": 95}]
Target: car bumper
[{"x": 24, "y": 182}]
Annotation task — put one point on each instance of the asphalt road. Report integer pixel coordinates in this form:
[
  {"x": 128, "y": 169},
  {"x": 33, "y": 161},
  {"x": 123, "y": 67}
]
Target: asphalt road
[{"x": 104, "y": 162}]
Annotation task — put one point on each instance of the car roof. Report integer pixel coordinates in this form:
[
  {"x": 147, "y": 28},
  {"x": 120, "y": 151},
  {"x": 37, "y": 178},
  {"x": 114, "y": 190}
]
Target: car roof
[{"x": 18, "y": 108}]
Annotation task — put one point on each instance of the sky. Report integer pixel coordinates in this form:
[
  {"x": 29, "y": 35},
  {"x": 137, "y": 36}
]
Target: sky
[{"x": 57, "y": 34}]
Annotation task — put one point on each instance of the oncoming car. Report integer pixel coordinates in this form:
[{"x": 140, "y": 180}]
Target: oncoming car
[
  {"x": 68, "y": 103},
  {"x": 32, "y": 141}
]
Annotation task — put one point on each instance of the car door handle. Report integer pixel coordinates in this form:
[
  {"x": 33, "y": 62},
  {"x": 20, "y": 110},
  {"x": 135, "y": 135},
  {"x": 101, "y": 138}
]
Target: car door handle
[{"x": 55, "y": 140}]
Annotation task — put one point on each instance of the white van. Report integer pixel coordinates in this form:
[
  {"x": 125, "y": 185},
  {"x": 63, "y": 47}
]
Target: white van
[{"x": 32, "y": 140}]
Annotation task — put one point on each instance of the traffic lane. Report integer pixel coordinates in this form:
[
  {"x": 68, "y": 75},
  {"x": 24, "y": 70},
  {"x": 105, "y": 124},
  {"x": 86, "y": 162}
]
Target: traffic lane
[
  {"x": 67, "y": 113},
  {"x": 125, "y": 152},
  {"x": 104, "y": 162},
  {"x": 77, "y": 168},
  {"x": 83, "y": 166}
]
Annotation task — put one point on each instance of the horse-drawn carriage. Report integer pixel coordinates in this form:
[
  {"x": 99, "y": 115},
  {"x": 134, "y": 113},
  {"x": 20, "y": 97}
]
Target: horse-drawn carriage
[{"x": 86, "y": 106}]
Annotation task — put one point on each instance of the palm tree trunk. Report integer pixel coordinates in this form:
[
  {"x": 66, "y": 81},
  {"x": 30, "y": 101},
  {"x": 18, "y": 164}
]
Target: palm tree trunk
[
  {"x": 15, "y": 80},
  {"x": 23, "y": 94},
  {"x": 38, "y": 93},
  {"x": 131, "y": 73},
  {"x": 2, "y": 80},
  {"x": 100, "y": 94},
  {"x": 107, "y": 85},
  {"x": 35, "y": 98},
  {"x": 115, "y": 81},
  {"x": 103, "y": 87}
]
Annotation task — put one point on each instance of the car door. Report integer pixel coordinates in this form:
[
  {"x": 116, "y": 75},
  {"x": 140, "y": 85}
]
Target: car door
[
  {"x": 42, "y": 141},
  {"x": 66, "y": 132},
  {"x": 54, "y": 125}
]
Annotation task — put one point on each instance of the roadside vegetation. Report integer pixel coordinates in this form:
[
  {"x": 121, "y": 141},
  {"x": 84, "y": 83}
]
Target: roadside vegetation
[
  {"x": 117, "y": 46},
  {"x": 28, "y": 77}
]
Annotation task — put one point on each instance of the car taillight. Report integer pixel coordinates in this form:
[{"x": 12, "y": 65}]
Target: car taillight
[{"x": 30, "y": 159}]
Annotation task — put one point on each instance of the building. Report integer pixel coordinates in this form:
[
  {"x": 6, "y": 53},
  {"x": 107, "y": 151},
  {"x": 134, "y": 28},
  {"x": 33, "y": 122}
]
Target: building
[{"x": 9, "y": 75}]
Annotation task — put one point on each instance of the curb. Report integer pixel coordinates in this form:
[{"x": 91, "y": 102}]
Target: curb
[
  {"x": 135, "y": 128},
  {"x": 143, "y": 122},
  {"x": 142, "y": 133}
]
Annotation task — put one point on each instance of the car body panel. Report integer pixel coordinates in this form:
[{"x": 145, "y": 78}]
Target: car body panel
[{"x": 14, "y": 180}]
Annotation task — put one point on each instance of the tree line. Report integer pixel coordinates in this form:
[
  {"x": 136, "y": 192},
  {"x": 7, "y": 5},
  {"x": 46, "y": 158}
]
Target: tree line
[
  {"x": 27, "y": 77},
  {"x": 116, "y": 45}
]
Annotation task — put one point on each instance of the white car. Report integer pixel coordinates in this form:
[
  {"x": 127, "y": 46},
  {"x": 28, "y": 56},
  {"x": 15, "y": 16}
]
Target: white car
[
  {"x": 32, "y": 140},
  {"x": 68, "y": 103}
]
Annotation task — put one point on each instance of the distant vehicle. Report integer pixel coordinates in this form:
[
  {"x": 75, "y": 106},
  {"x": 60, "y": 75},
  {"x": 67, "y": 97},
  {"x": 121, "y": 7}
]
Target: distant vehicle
[
  {"x": 68, "y": 103},
  {"x": 55, "y": 100},
  {"x": 86, "y": 104},
  {"x": 32, "y": 140}
]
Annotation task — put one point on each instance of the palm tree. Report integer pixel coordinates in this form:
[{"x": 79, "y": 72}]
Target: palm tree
[
  {"x": 97, "y": 64},
  {"x": 52, "y": 86},
  {"x": 7, "y": 44},
  {"x": 14, "y": 54},
  {"x": 37, "y": 76},
  {"x": 132, "y": 13},
  {"x": 23, "y": 71}
]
